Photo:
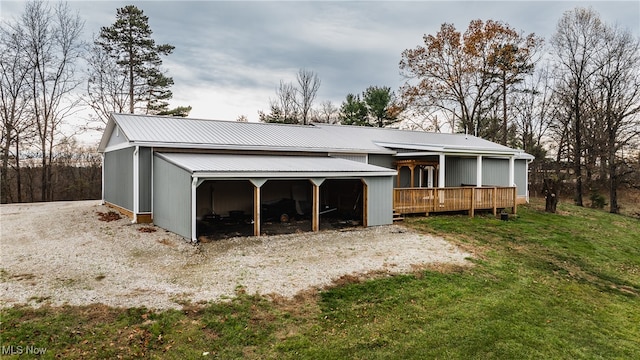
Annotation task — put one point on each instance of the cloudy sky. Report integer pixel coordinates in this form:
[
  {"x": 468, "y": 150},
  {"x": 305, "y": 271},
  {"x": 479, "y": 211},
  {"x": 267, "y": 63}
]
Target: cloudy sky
[{"x": 231, "y": 55}]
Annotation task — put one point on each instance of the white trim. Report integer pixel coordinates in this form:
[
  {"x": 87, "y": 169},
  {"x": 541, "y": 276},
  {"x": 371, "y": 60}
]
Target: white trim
[
  {"x": 441, "y": 169},
  {"x": 512, "y": 170},
  {"x": 102, "y": 185},
  {"x": 194, "y": 188},
  {"x": 152, "y": 183},
  {"x": 118, "y": 147},
  {"x": 479, "y": 171},
  {"x": 291, "y": 174},
  {"x": 136, "y": 183}
]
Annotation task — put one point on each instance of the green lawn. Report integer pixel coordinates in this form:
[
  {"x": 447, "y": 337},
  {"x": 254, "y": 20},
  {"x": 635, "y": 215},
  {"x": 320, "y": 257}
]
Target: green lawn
[{"x": 542, "y": 286}]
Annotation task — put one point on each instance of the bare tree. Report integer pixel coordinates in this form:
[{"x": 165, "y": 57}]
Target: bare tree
[
  {"x": 616, "y": 102},
  {"x": 106, "y": 85},
  {"x": 327, "y": 113},
  {"x": 576, "y": 43},
  {"x": 283, "y": 107},
  {"x": 14, "y": 102},
  {"x": 52, "y": 43},
  {"x": 308, "y": 85}
]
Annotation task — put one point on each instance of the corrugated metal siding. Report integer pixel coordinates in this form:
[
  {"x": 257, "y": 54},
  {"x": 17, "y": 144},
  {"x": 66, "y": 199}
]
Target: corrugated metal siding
[
  {"x": 118, "y": 178},
  {"x": 353, "y": 157},
  {"x": 379, "y": 200},
  {"x": 460, "y": 171},
  {"x": 495, "y": 172},
  {"x": 385, "y": 161},
  {"x": 171, "y": 197},
  {"x": 116, "y": 138},
  {"x": 144, "y": 164},
  {"x": 521, "y": 176}
]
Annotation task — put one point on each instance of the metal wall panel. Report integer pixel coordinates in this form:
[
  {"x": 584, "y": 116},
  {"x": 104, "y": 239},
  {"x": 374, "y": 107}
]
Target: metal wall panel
[
  {"x": 144, "y": 165},
  {"x": 118, "y": 177},
  {"x": 171, "y": 197},
  {"x": 361, "y": 158},
  {"x": 379, "y": 200},
  {"x": 521, "y": 177},
  {"x": 460, "y": 171},
  {"x": 495, "y": 172},
  {"x": 382, "y": 161},
  {"x": 117, "y": 138}
]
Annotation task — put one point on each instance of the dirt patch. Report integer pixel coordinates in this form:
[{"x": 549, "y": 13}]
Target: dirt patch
[{"x": 62, "y": 253}]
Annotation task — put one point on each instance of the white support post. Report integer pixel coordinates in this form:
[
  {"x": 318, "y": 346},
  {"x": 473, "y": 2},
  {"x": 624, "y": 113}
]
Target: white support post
[
  {"x": 136, "y": 183},
  {"x": 441, "y": 171},
  {"x": 479, "y": 171},
  {"x": 102, "y": 158},
  {"x": 512, "y": 169},
  {"x": 430, "y": 177},
  {"x": 194, "y": 188}
]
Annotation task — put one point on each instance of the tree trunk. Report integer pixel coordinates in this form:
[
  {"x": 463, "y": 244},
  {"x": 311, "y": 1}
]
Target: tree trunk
[
  {"x": 5, "y": 167},
  {"x": 550, "y": 195},
  {"x": 18, "y": 171},
  {"x": 577, "y": 149}
]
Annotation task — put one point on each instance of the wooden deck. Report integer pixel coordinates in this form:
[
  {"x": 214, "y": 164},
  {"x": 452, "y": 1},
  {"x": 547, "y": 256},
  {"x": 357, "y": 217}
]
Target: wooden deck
[{"x": 431, "y": 200}]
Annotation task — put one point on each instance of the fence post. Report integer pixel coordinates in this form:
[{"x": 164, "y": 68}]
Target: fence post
[
  {"x": 515, "y": 200},
  {"x": 494, "y": 199}
]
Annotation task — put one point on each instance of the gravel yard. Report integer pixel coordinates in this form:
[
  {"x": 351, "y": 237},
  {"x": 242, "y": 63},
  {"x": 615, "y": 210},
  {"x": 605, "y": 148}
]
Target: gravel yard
[{"x": 61, "y": 253}]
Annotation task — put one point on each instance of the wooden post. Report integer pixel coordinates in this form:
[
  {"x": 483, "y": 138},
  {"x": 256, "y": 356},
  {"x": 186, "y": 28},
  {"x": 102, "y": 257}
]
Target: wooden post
[
  {"x": 515, "y": 200},
  {"x": 473, "y": 202},
  {"x": 412, "y": 169},
  {"x": 315, "y": 220},
  {"x": 494, "y": 199},
  {"x": 256, "y": 210}
]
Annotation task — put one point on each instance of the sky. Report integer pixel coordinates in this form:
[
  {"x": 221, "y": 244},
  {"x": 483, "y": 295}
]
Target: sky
[{"x": 230, "y": 56}]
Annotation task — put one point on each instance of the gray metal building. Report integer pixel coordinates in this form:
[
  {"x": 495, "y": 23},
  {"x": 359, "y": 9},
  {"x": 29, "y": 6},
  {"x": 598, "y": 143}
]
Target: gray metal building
[{"x": 172, "y": 171}]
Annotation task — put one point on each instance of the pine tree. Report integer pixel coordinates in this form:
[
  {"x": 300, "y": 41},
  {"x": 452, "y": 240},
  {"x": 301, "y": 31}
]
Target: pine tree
[{"x": 128, "y": 41}]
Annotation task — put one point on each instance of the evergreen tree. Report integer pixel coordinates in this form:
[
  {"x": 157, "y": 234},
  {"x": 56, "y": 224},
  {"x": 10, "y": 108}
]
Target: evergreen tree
[
  {"x": 128, "y": 42},
  {"x": 354, "y": 111},
  {"x": 380, "y": 105}
]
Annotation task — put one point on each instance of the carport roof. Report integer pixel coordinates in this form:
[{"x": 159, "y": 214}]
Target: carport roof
[{"x": 270, "y": 166}]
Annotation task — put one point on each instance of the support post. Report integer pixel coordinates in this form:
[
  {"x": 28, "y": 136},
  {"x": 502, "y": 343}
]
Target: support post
[
  {"x": 473, "y": 202},
  {"x": 194, "y": 188},
  {"x": 257, "y": 184},
  {"x": 412, "y": 168},
  {"x": 479, "y": 171},
  {"x": 136, "y": 183},
  {"x": 102, "y": 158},
  {"x": 515, "y": 200},
  {"x": 494, "y": 199},
  {"x": 315, "y": 211},
  {"x": 441, "y": 171},
  {"x": 256, "y": 210}
]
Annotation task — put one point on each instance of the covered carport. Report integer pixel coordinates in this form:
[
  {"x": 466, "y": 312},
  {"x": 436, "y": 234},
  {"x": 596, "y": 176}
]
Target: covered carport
[{"x": 177, "y": 177}]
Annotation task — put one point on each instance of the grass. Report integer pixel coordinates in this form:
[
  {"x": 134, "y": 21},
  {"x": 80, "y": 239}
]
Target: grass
[{"x": 561, "y": 286}]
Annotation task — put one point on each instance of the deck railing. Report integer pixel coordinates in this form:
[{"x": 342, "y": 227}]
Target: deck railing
[{"x": 428, "y": 200}]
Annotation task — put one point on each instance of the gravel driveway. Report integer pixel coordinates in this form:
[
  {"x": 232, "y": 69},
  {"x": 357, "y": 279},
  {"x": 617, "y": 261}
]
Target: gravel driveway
[{"x": 61, "y": 253}]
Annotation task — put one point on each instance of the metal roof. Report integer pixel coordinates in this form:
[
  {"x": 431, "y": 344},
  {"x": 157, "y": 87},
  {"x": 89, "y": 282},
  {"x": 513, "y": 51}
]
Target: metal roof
[
  {"x": 226, "y": 165},
  {"x": 163, "y": 131}
]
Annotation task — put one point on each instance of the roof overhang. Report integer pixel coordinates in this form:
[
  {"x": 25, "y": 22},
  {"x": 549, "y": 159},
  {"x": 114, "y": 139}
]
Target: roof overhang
[{"x": 229, "y": 166}]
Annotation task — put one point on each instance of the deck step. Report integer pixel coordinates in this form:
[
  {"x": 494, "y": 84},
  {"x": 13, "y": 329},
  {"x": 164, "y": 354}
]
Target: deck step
[{"x": 397, "y": 216}]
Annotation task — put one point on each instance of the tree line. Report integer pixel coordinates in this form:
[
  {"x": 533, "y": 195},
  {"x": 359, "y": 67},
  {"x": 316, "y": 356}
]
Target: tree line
[
  {"x": 42, "y": 86},
  {"x": 572, "y": 101}
]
